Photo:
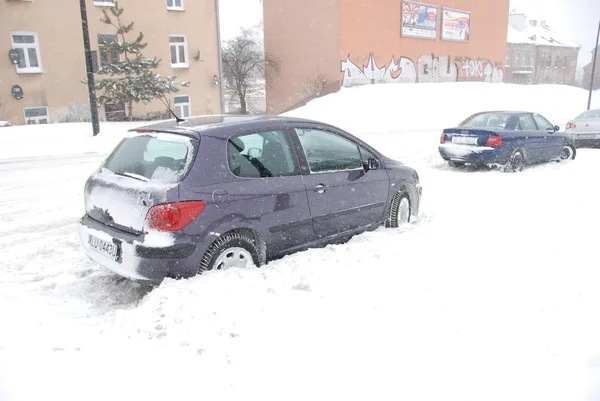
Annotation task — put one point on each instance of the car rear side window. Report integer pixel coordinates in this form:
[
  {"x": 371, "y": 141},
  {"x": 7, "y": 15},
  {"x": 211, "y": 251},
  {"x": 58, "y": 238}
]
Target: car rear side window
[
  {"x": 526, "y": 123},
  {"x": 326, "y": 151},
  {"x": 162, "y": 158},
  {"x": 261, "y": 155}
]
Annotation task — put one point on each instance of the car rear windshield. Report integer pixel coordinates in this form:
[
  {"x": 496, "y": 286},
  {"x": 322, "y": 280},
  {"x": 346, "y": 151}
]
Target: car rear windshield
[
  {"x": 486, "y": 120},
  {"x": 163, "y": 158},
  {"x": 589, "y": 114}
]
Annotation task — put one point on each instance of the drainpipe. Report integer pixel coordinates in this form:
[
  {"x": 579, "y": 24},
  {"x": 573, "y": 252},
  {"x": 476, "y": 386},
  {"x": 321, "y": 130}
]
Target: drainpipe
[{"x": 220, "y": 57}]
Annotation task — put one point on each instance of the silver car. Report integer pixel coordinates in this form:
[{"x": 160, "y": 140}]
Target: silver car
[{"x": 585, "y": 129}]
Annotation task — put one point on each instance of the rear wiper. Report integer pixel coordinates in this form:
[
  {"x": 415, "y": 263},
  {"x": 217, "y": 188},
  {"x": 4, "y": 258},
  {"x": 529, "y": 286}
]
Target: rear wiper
[{"x": 134, "y": 176}]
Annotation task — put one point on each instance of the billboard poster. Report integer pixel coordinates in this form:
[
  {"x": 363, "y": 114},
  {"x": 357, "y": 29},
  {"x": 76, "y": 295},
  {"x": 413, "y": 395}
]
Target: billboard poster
[
  {"x": 419, "y": 20},
  {"x": 456, "y": 25}
]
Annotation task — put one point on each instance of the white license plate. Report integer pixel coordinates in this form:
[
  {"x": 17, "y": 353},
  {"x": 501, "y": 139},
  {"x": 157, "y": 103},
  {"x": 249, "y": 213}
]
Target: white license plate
[
  {"x": 106, "y": 248},
  {"x": 465, "y": 140},
  {"x": 586, "y": 136}
]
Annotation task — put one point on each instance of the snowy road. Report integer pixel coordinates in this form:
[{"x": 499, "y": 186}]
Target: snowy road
[
  {"x": 500, "y": 273},
  {"x": 491, "y": 295}
]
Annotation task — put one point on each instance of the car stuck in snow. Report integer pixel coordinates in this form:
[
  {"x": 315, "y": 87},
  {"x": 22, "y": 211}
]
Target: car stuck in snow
[
  {"x": 508, "y": 139},
  {"x": 176, "y": 199}
]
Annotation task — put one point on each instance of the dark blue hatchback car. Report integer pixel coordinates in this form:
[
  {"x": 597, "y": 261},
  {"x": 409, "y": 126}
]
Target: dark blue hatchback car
[{"x": 176, "y": 199}]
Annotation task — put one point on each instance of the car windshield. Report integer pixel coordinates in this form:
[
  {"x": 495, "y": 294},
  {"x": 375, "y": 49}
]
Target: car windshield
[
  {"x": 486, "y": 120},
  {"x": 589, "y": 114},
  {"x": 161, "y": 158}
]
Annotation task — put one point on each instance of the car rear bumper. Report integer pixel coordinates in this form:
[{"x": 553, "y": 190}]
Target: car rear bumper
[
  {"x": 138, "y": 261},
  {"x": 473, "y": 154}
]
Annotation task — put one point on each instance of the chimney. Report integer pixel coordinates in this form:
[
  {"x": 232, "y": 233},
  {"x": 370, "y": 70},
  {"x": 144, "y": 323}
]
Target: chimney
[{"x": 518, "y": 21}]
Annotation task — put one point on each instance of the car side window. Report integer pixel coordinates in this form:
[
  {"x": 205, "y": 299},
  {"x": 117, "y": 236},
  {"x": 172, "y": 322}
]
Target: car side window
[
  {"x": 326, "y": 151},
  {"x": 542, "y": 123},
  {"x": 261, "y": 155},
  {"x": 366, "y": 154},
  {"x": 526, "y": 123}
]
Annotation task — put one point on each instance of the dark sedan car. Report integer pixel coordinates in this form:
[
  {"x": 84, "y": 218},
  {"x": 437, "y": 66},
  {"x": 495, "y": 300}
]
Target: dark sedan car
[
  {"x": 176, "y": 199},
  {"x": 509, "y": 139}
]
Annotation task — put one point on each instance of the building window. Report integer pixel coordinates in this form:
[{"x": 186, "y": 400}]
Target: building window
[
  {"x": 36, "y": 115},
  {"x": 108, "y": 54},
  {"x": 516, "y": 59},
  {"x": 176, "y": 5},
  {"x": 28, "y": 47},
  {"x": 183, "y": 106},
  {"x": 104, "y": 3},
  {"x": 178, "y": 46},
  {"x": 507, "y": 60}
]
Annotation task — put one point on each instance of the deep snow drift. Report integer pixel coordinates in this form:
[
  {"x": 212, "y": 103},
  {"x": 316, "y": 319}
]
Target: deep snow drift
[{"x": 491, "y": 295}]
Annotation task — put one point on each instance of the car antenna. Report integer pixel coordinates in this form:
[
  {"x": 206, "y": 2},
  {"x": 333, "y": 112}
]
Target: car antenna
[{"x": 177, "y": 118}]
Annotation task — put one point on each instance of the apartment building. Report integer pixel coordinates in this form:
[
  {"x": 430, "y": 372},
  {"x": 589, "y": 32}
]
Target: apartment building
[
  {"x": 537, "y": 55},
  {"x": 45, "y": 40},
  {"x": 587, "y": 71}
]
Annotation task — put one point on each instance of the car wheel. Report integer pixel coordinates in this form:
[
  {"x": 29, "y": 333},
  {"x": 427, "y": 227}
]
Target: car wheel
[
  {"x": 516, "y": 162},
  {"x": 568, "y": 152},
  {"x": 234, "y": 249},
  {"x": 453, "y": 163},
  {"x": 400, "y": 210}
]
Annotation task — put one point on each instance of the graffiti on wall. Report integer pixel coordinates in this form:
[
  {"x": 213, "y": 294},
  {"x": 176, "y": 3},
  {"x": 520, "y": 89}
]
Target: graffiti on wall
[
  {"x": 397, "y": 71},
  {"x": 429, "y": 68},
  {"x": 437, "y": 69},
  {"x": 481, "y": 70}
]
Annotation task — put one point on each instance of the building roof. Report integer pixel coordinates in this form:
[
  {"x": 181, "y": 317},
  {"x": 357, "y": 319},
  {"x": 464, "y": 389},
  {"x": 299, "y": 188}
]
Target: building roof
[{"x": 538, "y": 36}]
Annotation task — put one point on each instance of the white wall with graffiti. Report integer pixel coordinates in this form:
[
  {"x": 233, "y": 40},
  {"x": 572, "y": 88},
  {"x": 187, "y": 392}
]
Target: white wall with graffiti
[{"x": 429, "y": 68}]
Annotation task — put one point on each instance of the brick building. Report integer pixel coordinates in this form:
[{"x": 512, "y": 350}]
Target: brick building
[
  {"x": 537, "y": 55},
  {"x": 325, "y": 44}
]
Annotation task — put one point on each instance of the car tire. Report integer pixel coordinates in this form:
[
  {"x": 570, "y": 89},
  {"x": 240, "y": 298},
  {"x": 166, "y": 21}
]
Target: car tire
[
  {"x": 233, "y": 249},
  {"x": 400, "y": 210},
  {"x": 516, "y": 162},
  {"x": 568, "y": 153},
  {"x": 455, "y": 164}
]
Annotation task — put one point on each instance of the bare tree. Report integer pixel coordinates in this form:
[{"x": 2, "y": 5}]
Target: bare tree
[
  {"x": 315, "y": 86},
  {"x": 245, "y": 66}
]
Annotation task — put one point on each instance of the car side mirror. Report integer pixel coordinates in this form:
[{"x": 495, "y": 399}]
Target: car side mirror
[
  {"x": 556, "y": 128},
  {"x": 254, "y": 153},
  {"x": 372, "y": 164}
]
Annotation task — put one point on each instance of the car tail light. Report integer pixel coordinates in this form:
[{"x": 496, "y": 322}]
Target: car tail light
[
  {"x": 571, "y": 125},
  {"x": 494, "y": 141},
  {"x": 173, "y": 216},
  {"x": 443, "y": 138}
]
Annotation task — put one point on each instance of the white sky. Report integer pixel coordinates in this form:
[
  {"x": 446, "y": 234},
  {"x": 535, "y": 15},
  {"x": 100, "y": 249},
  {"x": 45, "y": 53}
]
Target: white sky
[
  {"x": 238, "y": 13},
  {"x": 576, "y": 19}
]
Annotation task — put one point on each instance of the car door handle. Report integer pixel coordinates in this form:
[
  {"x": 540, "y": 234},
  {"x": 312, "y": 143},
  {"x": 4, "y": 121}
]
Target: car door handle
[{"x": 321, "y": 188}]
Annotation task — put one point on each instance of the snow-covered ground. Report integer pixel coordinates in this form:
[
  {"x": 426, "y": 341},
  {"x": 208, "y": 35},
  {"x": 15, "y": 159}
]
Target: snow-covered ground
[{"x": 491, "y": 295}]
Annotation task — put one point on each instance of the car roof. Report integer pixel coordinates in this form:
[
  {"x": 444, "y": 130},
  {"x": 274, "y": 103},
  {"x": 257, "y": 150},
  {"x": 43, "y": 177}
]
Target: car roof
[
  {"x": 214, "y": 124},
  {"x": 505, "y": 112}
]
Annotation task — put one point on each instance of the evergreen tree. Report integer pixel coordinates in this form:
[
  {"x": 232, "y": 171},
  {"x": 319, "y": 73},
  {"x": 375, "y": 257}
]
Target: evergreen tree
[{"x": 131, "y": 77}]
